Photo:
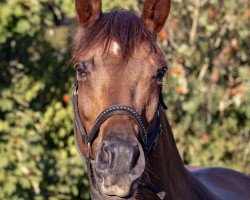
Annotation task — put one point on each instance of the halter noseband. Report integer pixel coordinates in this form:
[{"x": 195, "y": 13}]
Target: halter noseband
[{"x": 148, "y": 141}]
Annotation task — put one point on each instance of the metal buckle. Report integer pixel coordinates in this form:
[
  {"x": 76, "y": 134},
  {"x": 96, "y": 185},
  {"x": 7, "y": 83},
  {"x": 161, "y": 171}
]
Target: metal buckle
[
  {"x": 88, "y": 150},
  {"x": 161, "y": 195},
  {"x": 75, "y": 90}
]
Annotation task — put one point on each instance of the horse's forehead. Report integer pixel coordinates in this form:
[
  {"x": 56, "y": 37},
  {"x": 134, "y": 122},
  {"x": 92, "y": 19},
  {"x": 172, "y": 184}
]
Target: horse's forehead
[
  {"x": 141, "y": 50},
  {"x": 142, "y": 59}
]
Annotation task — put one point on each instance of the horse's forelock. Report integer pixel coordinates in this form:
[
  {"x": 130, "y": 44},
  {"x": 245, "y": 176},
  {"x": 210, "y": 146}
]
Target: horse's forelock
[{"x": 122, "y": 26}]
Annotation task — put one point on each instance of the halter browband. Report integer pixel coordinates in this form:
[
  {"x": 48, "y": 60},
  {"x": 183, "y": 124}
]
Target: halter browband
[{"x": 148, "y": 142}]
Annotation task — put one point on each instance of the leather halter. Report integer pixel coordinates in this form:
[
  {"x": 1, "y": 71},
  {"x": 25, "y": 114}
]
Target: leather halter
[{"x": 148, "y": 142}]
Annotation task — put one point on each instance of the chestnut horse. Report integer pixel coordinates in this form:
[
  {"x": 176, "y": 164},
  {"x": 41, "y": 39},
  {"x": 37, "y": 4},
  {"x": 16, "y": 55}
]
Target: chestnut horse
[{"x": 120, "y": 128}]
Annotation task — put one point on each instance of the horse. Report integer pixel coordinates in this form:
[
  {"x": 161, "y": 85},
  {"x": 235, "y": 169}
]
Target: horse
[{"x": 121, "y": 131}]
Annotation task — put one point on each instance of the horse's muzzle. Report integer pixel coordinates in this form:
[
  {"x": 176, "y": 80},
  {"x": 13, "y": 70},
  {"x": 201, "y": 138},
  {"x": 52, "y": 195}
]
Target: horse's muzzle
[{"x": 120, "y": 165}]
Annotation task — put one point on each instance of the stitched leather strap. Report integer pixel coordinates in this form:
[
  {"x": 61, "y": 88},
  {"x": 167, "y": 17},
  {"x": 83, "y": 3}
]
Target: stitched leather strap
[{"x": 118, "y": 110}]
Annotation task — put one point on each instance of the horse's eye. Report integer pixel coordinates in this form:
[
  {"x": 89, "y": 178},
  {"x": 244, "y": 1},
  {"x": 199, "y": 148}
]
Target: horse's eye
[
  {"x": 160, "y": 74},
  {"x": 81, "y": 69}
]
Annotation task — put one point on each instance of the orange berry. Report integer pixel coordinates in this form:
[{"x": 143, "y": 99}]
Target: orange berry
[
  {"x": 240, "y": 89},
  {"x": 233, "y": 92},
  {"x": 163, "y": 36},
  {"x": 175, "y": 22},
  {"x": 180, "y": 90},
  {"x": 66, "y": 98},
  {"x": 235, "y": 45},
  {"x": 206, "y": 138},
  {"x": 247, "y": 13},
  {"x": 214, "y": 77},
  {"x": 212, "y": 13},
  {"x": 176, "y": 71}
]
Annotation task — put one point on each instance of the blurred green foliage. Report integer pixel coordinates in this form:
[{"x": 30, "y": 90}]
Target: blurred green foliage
[
  {"x": 207, "y": 91},
  {"x": 207, "y": 45},
  {"x": 38, "y": 159}
]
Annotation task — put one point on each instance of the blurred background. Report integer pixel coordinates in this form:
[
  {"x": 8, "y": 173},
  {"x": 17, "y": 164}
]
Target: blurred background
[{"x": 207, "y": 46}]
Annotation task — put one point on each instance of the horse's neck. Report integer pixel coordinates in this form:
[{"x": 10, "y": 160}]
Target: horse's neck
[{"x": 166, "y": 169}]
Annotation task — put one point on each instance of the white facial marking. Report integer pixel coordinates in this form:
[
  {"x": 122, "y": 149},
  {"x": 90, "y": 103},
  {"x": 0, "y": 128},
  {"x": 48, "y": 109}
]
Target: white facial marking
[{"x": 115, "y": 48}]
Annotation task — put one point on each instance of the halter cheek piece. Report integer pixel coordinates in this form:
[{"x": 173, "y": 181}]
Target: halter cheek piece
[{"x": 148, "y": 141}]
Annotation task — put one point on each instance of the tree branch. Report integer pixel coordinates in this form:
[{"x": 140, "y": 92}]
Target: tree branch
[{"x": 195, "y": 22}]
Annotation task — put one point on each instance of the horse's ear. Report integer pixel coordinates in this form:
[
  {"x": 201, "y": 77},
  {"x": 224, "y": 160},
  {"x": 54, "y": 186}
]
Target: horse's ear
[
  {"x": 155, "y": 13},
  {"x": 88, "y": 10}
]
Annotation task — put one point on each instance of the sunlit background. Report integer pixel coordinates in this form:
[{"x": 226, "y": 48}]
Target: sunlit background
[{"x": 207, "y": 46}]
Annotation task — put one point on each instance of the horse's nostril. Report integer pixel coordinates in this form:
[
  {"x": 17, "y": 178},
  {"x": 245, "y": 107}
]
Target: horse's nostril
[
  {"x": 104, "y": 157},
  {"x": 135, "y": 157}
]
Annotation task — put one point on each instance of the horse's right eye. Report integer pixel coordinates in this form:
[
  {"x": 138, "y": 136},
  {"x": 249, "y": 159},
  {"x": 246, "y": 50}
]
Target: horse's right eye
[
  {"x": 160, "y": 74},
  {"x": 81, "y": 69}
]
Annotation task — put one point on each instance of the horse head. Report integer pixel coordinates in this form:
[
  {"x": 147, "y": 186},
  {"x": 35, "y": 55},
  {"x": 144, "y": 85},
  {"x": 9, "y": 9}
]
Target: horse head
[{"x": 119, "y": 75}]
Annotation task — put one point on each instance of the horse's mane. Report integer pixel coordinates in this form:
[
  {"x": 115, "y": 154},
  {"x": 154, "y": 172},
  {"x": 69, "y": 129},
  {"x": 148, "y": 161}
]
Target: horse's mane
[{"x": 123, "y": 26}]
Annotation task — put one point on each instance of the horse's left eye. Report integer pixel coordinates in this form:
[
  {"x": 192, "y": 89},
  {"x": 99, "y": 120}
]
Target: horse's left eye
[{"x": 160, "y": 74}]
